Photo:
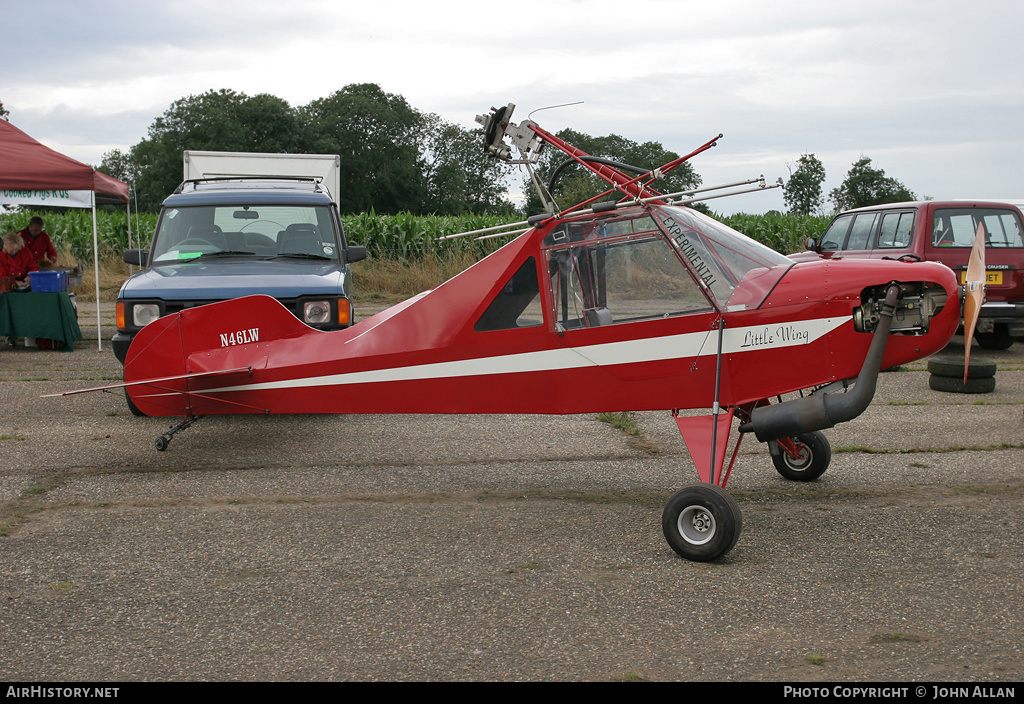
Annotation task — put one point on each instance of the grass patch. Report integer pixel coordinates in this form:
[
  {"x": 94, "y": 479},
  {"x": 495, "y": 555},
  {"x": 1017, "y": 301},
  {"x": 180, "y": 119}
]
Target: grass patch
[
  {"x": 12, "y": 437},
  {"x": 816, "y": 659},
  {"x": 623, "y": 420},
  {"x": 36, "y": 490},
  {"x": 986, "y": 490}
]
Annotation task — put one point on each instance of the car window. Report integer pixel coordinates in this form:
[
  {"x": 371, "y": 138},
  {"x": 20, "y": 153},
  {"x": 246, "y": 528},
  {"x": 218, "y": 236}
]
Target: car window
[
  {"x": 956, "y": 227},
  {"x": 860, "y": 233},
  {"x": 835, "y": 235},
  {"x": 896, "y": 231}
]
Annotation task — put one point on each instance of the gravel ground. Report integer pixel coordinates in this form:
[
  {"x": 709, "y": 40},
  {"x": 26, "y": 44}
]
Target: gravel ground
[{"x": 498, "y": 547}]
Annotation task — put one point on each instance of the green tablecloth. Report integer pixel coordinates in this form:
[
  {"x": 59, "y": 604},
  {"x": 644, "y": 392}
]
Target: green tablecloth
[{"x": 45, "y": 315}]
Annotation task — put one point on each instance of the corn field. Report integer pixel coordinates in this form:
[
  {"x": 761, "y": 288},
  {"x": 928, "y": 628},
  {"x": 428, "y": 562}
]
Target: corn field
[{"x": 400, "y": 237}]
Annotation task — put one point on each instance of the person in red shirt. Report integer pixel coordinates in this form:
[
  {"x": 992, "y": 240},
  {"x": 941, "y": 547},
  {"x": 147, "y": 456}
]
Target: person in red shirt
[
  {"x": 39, "y": 243},
  {"x": 16, "y": 259}
]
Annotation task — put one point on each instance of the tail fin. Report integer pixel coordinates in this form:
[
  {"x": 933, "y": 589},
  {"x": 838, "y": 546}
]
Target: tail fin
[{"x": 219, "y": 338}]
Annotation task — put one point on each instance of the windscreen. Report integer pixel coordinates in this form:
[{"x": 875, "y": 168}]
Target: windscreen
[
  {"x": 245, "y": 231},
  {"x": 717, "y": 255}
]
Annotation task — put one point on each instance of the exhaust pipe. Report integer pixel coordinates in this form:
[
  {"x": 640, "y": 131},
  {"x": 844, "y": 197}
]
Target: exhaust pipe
[{"x": 818, "y": 412}]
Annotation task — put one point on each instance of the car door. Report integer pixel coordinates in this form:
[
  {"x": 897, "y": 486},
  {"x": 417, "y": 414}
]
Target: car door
[{"x": 895, "y": 234}]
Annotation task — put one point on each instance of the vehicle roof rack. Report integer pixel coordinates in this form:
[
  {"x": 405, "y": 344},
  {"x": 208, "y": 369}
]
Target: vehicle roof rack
[{"x": 194, "y": 182}]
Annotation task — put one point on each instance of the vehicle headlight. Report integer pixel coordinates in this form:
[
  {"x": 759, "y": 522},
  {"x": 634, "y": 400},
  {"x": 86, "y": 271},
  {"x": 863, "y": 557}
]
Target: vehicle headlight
[
  {"x": 316, "y": 312},
  {"x": 145, "y": 313}
]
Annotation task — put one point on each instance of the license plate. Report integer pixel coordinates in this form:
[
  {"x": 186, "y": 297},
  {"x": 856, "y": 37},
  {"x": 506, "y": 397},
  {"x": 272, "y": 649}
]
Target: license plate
[{"x": 992, "y": 278}]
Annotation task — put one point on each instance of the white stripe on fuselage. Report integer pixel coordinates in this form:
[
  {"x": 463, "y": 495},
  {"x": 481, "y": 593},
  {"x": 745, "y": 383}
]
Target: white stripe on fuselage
[{"x": 638, "y": 351}]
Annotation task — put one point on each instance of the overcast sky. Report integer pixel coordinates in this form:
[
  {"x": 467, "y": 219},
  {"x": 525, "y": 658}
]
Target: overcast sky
[{"x": 932, "y": 91}]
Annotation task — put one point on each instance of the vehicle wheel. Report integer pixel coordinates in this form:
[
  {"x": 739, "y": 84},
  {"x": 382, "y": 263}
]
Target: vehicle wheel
[
  {"x": 162, "y": 441},
  {"x": 815, "y": 455},
  {"x": 132, "y": 407},
  {"x": 954, "y": 385},
  {"x": 998, "y": 339},
  {"x": 702, "y": 522},
  {"x": 953, "y": 367}
]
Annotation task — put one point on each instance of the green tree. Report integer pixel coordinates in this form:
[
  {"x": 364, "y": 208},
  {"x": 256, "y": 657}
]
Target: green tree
[
  {"x": 377, "y": 136},
  {"x": 864, "y": 186},
  {"x": 576, "y": 184},
  {"x": 216, "y": 120},
  {"x": 803, "y": 190},
  {"x": 4, "y": 113},
  {"x": 120, "y": 165},
  {"x": 459, "y": 176}
]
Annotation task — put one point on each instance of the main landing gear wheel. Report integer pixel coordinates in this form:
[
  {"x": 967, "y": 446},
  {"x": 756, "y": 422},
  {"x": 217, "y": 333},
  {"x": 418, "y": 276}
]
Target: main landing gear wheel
[
  {"x": 814, "y": 454},
  {"x": 702, "y": 522},
  {"x": 132, "y": 407}
]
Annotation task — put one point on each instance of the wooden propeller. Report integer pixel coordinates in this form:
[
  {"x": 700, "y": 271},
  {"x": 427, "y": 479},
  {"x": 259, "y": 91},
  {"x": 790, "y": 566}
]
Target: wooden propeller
[{"x": 975, "y": 285}]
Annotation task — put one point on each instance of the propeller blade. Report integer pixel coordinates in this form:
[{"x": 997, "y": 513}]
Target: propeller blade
[{"x": 975, "y": 286}]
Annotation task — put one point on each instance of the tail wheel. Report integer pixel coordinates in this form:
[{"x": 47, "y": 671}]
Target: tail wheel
[
  {"x": 813, "y": 456},
  {"x": 702, "y": 522}
]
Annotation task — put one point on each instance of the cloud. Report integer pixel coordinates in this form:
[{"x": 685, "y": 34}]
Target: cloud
[{"x": 904, "y": 83}]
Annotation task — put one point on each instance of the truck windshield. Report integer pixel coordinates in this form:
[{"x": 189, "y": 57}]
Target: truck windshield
[{"x": 257, "y": 230}]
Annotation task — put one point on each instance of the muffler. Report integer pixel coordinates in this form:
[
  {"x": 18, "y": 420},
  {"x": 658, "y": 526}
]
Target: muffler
[{"x": 825, "y": 410}]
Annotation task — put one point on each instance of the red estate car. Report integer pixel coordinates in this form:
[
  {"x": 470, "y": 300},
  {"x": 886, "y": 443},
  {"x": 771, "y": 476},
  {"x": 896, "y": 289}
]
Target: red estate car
[{"x": 942, "y": 231}]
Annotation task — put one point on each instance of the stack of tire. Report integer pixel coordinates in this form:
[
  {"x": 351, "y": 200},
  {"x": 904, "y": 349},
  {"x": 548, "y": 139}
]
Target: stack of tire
[{"x": 947, "y": 374}]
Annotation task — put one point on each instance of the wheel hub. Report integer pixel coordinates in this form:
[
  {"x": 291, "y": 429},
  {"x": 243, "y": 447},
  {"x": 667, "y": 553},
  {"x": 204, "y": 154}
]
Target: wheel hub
[
  {"x": 696, "y": 525},
  {"x": 801, "y": 459}
]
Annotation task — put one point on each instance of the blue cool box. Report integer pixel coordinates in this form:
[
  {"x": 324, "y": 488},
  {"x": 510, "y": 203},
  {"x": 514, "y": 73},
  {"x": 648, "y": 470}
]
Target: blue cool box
[{"x": 49, "y": 281}]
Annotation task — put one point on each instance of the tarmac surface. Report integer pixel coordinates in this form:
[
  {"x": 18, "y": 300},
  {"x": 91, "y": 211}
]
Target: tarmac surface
[{"x": 498, "y": 547}]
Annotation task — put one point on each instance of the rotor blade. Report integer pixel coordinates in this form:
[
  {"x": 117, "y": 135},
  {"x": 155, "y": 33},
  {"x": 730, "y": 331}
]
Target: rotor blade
[{"x": 974, "y": 283}]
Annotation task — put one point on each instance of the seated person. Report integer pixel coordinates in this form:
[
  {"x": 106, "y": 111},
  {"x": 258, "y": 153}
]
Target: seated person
[
  {"x": 16, "y": 259},
  {"x": 38, "y": 243}
]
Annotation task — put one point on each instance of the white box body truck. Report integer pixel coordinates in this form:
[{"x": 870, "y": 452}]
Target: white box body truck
[{"x": 323, "y": 167}]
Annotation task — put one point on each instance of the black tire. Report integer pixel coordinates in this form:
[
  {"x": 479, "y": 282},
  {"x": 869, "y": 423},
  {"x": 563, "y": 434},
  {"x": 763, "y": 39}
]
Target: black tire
[
  {"x": 998, "y": 339},
  {"x": 815, "y": 457},
  {"x": 132, "y": 407},
  {"x": 951, "y": 385},
  {"x": 953, "y": 367},
  {"x": 162, "y": 441},
  {"x": 702, "y": 522}
]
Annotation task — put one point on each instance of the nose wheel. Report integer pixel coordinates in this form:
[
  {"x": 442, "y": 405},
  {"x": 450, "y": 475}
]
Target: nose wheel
[{"x": 702, "y": 522}]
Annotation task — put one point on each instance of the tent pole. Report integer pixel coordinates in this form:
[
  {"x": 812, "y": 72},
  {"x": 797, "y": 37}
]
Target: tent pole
[
  {"x": 96, "y": 268},
  {"x": 131, "y": 269}
]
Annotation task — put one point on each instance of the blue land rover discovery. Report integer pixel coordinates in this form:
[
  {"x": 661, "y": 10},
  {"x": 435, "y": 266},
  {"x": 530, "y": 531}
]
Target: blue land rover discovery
[{"x": 218, "y": 239}]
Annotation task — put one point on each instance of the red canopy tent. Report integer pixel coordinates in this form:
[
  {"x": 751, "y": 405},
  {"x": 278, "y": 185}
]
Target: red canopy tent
[{"x": 32, "y": 173}]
